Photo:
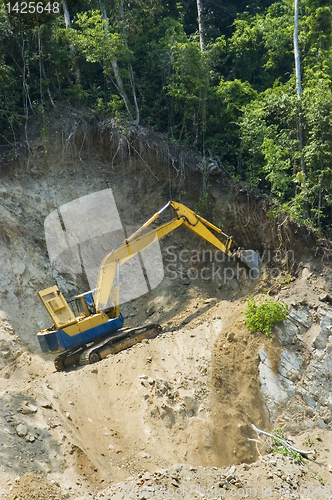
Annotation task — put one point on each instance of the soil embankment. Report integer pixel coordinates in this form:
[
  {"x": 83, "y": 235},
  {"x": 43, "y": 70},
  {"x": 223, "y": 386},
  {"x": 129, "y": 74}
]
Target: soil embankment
[{"x": 189, "y": 396}]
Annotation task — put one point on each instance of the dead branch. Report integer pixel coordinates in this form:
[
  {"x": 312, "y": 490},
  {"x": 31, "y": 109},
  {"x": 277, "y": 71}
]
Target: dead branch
[{"x": 284, "y": 442}]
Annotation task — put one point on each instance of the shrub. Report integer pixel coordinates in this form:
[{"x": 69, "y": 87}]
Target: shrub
[{"x": 261, "y": 318}]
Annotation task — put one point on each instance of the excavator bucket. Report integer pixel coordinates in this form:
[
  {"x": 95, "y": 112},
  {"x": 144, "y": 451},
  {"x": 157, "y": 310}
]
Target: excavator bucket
[{"x": 250, "y": 258}]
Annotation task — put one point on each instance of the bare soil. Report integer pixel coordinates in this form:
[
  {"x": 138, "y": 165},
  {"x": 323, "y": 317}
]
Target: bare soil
[{"x": 174, "y": 412}]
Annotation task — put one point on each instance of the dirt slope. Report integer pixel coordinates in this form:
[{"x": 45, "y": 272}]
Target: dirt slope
[{"x": 174, "y": 411}]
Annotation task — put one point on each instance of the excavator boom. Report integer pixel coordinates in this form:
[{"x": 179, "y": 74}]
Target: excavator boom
[{"x": 136, "y": 243}]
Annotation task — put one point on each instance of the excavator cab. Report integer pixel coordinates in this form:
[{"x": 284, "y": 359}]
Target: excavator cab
[{"x": 84, "y": 304}]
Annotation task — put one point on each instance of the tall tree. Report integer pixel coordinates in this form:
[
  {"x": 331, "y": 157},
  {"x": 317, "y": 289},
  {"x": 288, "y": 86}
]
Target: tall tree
[
  {"x": 299, "y": 95},
  {"x": 130, "y": 68},
  {"x": 201, "y": 26},
  {"x": 72, "y": 47},
  {"x": 115, "y": 67},
  {"x": 296, "y": 50}
]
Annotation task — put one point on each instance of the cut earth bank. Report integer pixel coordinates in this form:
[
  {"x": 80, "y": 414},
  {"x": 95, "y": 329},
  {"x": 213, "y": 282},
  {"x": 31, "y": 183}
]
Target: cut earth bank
[{"x": 177, "y": 410}]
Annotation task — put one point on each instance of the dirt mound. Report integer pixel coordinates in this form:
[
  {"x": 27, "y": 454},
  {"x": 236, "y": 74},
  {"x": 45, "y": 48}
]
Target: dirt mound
[{"x": 33, "y": 487}]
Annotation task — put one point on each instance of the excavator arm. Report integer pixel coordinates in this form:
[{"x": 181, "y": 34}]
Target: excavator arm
[{"x": 109, "y": 268}]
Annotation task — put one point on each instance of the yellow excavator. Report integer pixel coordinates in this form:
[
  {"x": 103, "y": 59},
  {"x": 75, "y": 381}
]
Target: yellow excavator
[{"x": 90, "y": 327}]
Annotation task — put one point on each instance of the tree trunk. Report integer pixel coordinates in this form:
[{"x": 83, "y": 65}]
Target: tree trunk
[
  {"x": 299, "y": 95},
  {"x": 201, "y": 27},
  {"x": 131, "y": 73},
  {"x": 296, "y": 50},
  {"x": 72, "y": 48},
  {"x": 115, "y": 67},
  {"x": 42, "y": 74},
  {"x": 319, "y": 202},
  {"x": 298, "y": 80}
]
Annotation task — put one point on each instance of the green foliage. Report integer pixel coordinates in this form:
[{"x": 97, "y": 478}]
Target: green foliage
[
  {"x": 270, "y": 127},
  {"x": 271, "y": 214},
  {"x": 236, "y": 99},
  {"x": 314, "y": 475},
  {"x": 202, "y": 205},
  {"x": 286, "y": 280},
  {"x": 261, "y": 317},
  {"x": 309, "y": 442},
  {"x": 113, "y": 106},
  {"x": 278, "y": 446},
  {"x": 225, "y": 105},
  {"x": 95, "y": 39},
  {"x": 187, "y": 85},
  {"x": 261, "y": 47}
]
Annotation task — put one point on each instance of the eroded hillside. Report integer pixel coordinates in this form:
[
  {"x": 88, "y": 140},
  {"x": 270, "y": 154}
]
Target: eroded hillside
[{"x": 177, "y": 409}]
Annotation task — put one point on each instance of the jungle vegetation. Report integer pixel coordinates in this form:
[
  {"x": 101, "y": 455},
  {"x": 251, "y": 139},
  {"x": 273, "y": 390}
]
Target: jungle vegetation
[{"x": 215, "y": 75}]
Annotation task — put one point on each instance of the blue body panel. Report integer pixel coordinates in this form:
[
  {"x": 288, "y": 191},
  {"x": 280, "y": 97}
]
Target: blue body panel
[{"x": 59, "y": 340}]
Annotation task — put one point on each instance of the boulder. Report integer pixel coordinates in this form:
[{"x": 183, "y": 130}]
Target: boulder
[{"x": 322, "y": 338}]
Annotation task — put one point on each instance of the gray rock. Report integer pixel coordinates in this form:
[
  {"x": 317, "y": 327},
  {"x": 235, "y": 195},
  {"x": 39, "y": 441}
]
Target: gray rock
[
  {"x": 321, "y": 340},
  {"x": 328, "y": 402},
  {"x": 27, "y": 408},
  {"x": 263, "y": 355},
  {"x": 55, "y": 423},
  {"x": 290, "y": 365},
  {"x": 190, "y": 406},
  {"x": 46, "y": 404},
  {"x": 286, "y": 331},
  {"x": 325, "y": 297},
  {"x": 328, "y": 348},
  {"x": 30, "y": 437},
  {"x": 168, "y": 416},
  {"x": 210, "y": 300},
  {"x": 21, "y": 430},
  {"x": 278, "y": 388},
  {"x": 310, "y": 401},
  {"x": 144, "y": 380},
  {"x": 162, "y": 387},
  {"x": 150, "y": 310},
  {"x": 321, "y": 423},
  {"x": 7, "y": 219},
  {"x": 302, "y": 318}
]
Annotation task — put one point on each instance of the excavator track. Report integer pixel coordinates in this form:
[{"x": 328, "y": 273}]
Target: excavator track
[
  {"x": 68, "y": 358},
  {"x": 122, "y": 340},
  {"x": 112, "y": 344}
]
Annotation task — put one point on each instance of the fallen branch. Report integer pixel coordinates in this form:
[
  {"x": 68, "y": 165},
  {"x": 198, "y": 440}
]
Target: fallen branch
[{"x": 284, "y": 442}]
